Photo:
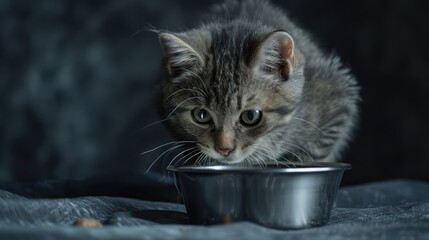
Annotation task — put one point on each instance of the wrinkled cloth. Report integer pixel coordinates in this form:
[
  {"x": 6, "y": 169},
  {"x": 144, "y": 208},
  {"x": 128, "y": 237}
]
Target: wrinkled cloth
[{"x": 396, "y": 209}]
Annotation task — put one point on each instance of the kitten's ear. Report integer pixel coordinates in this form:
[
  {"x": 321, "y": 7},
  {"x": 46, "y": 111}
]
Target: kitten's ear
[
  {"x": 275, "y": 54},
  {"x": 180, "y": 56}
]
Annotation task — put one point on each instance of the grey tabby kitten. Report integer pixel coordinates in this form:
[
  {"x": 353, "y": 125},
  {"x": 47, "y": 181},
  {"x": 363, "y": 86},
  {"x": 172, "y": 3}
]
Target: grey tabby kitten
[{"x": 248, "y": 86}]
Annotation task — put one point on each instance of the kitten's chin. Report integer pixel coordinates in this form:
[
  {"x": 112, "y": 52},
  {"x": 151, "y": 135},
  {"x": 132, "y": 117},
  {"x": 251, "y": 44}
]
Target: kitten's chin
[
  {"x": 234, "y": 158},
  {"x": 230, "y": 161}
]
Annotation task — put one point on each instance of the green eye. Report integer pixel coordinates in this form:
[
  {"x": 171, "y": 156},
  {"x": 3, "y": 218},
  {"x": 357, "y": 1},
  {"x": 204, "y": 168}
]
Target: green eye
[
  {"x": 251, "y": 117},
  {"x": 200, "y": 115}
]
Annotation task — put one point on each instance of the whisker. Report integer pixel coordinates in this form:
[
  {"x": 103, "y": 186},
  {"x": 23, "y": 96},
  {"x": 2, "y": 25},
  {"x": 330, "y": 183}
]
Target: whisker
[
  {"x": 286, "y": 162},
  {"x": 180, "y": 90},
  {"x": 266, "y": 148},
  {"x": 262, "y": 152},
  {"x": 260, "y": 160},
  {"x": 200, "y": 158},
  {"x": 162, "y": 154},
  {"x": 203, "y": 159},
  {"x": 171, "y": 113},
  {"x": 201, "y": 80},
  {"x": 169, "y": 164},
  {"x": 247, "y": 161},
  {"x": 176, "y": 185},
  {"x": 148, "y": 28},
  {"x": 289, "y": 151},
  {"x": 310, "y": 123},
  {"x": 186, "y": 150},
  {"x": 186, "y": 155},
  {"x": 300, "y": 148},
  {"x": 165, "y": 144},
  {"x": 151, "y": 124},
  {"x": 274, "y": 159},
  {"x": 209, "y": 161},
  {"x": 194, "y": 155},
  {"x": 252, "y": 160}
]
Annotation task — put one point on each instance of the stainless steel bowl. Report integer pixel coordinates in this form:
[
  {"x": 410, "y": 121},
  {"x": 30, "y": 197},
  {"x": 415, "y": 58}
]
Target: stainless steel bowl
[{"x": 279, "y": 196}]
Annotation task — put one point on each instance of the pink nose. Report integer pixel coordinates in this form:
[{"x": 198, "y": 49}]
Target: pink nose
[{"x": 224, "y": 151}]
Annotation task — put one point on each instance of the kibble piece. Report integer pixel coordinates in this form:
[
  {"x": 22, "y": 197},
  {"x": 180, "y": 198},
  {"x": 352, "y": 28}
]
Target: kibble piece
[{"x": 87, "y": 222}]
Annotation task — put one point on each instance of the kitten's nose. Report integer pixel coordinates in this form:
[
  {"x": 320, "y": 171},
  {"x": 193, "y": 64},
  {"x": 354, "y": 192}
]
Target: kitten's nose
[{"x": 224, "y": 151}]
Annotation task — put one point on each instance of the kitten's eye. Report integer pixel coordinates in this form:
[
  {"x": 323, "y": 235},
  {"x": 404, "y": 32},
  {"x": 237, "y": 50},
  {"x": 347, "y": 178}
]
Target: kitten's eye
[
  {"x": 251, "y": 117},
  {"x": 200, "y": 115}
]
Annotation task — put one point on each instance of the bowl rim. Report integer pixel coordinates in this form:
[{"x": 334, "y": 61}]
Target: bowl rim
[{"x": 299, "y": 167}]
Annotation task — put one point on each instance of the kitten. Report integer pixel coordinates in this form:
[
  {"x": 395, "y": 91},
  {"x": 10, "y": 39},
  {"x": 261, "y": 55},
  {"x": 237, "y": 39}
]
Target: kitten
[{"x": 248, "y": 86}]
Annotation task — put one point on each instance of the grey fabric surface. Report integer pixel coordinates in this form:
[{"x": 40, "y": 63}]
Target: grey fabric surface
[{"x": 397, "y": 209}]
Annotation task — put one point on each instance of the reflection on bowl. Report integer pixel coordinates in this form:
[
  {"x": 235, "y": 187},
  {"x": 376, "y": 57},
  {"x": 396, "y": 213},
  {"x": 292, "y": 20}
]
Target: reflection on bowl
[{"x": 286, "y": 196}]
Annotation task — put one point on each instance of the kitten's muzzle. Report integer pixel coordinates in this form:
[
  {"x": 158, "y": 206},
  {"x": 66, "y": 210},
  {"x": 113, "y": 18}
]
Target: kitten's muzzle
[{"x": 225, "y": 151}]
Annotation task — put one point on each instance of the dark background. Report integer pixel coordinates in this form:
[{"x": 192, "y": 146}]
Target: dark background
[{"x": 78, "y": 82}]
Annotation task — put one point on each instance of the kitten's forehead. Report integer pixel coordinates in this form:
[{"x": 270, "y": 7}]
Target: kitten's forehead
[
  {"x": 226, "y": 68},
  {"x": 223, "y": 76},
  {"x": 235, "y": 102},
  {"x": 227, "y": 71},
  {"x": 231, "y": 101}
]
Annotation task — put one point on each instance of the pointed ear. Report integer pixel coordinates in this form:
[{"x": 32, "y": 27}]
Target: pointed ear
[
  {"x": 180, "y": 56},
  {"x": 275, "y": 55}
]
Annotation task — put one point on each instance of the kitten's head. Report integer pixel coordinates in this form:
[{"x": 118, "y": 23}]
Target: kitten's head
[{"x": 228, "y": 90}]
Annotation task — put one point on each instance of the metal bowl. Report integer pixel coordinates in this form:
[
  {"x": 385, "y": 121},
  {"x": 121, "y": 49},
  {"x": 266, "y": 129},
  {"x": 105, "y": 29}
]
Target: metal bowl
[{"x": 287, "y": 196}]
